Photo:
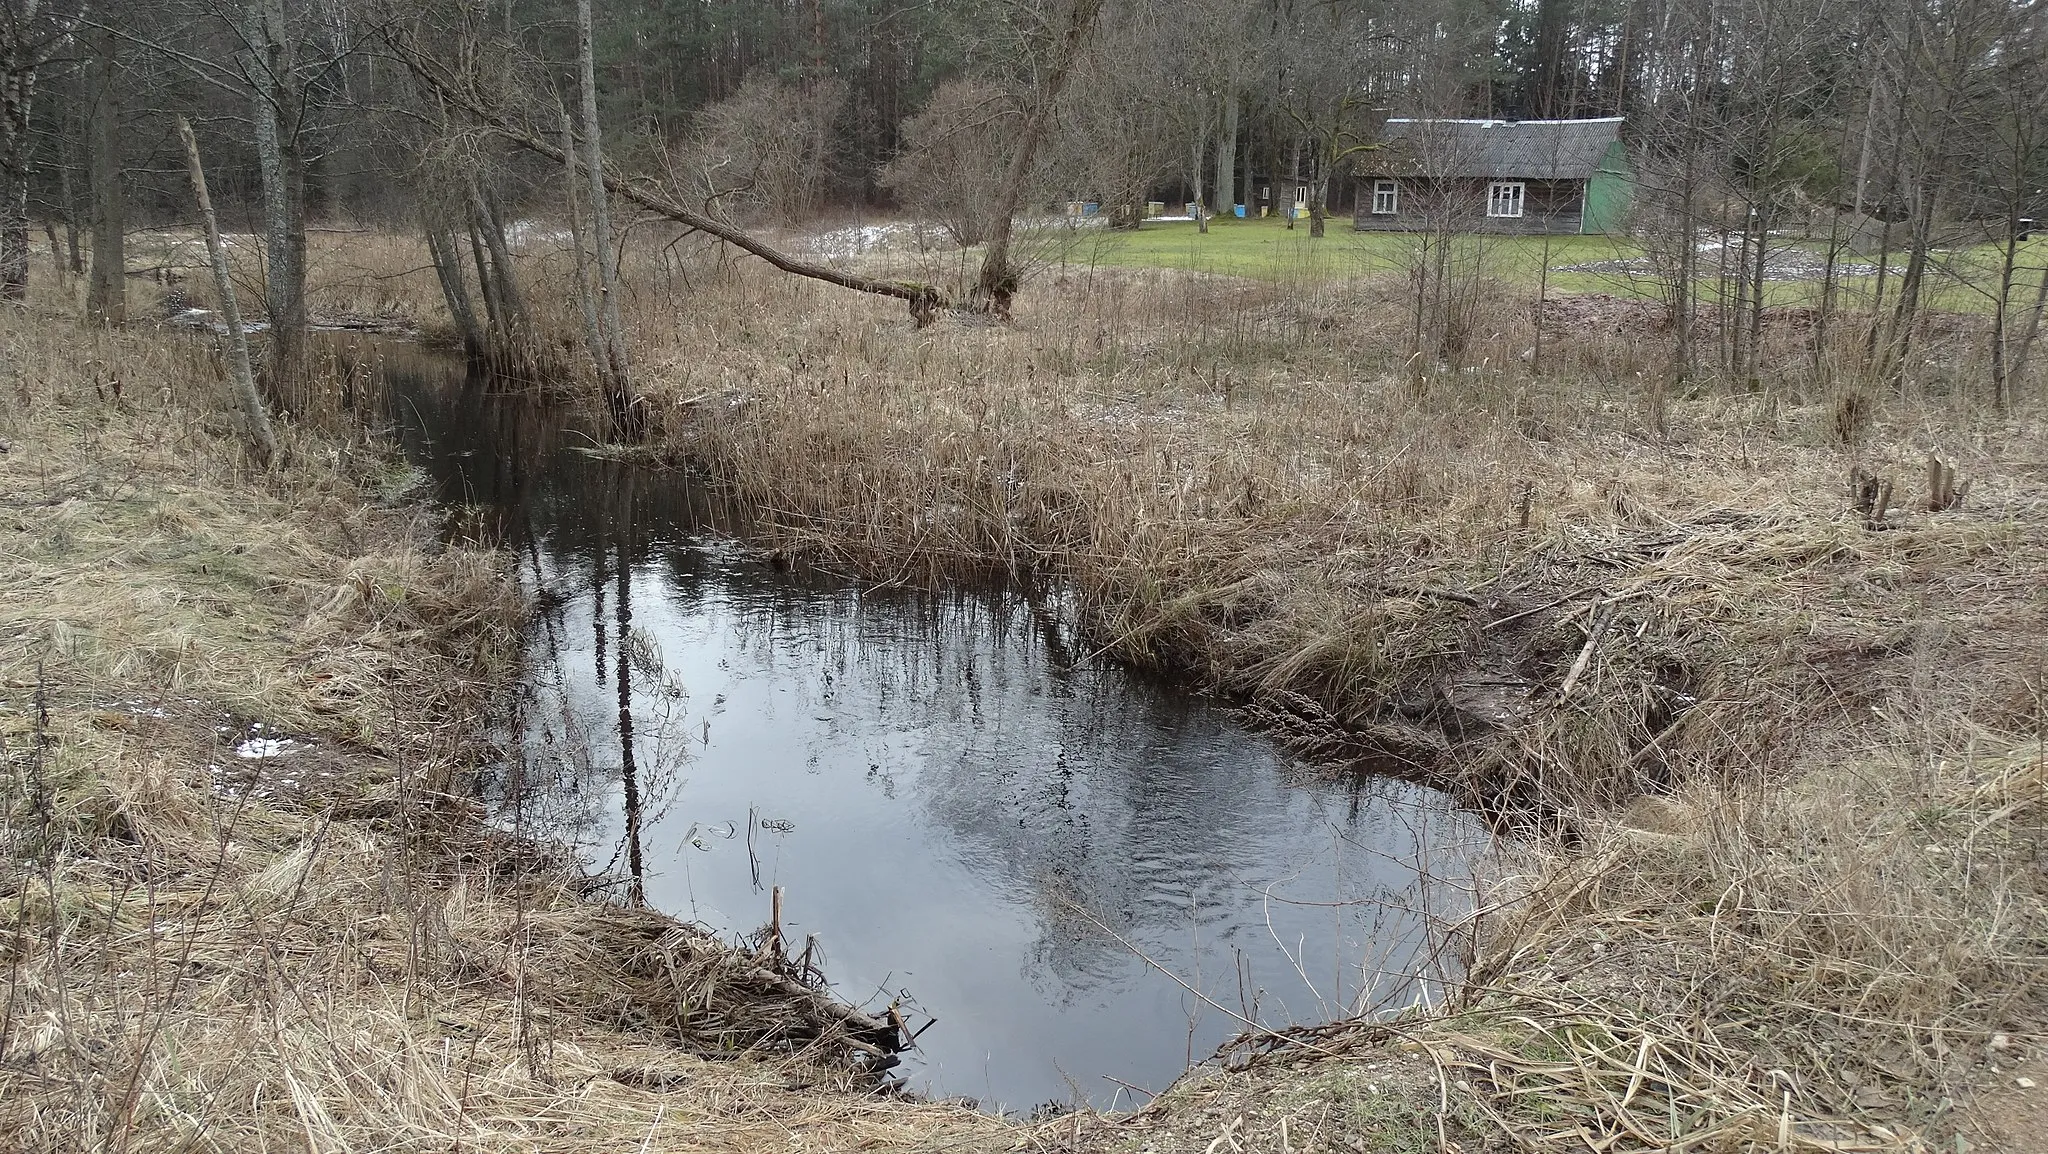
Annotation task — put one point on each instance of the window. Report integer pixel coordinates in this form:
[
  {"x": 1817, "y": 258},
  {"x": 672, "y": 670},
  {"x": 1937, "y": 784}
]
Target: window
[
  {"x": 1386, "y": 198},
  {"x": 1504, "y": 198}
]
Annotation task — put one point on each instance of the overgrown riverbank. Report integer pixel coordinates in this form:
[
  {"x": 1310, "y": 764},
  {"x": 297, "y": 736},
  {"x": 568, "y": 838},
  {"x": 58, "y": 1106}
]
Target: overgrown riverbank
[
  {"x": 1796, "y": 743},
  {"x": 245, "y": 907},
  {"x": 1823, "y": 926},
  {"x": 1559, "y": 591}
]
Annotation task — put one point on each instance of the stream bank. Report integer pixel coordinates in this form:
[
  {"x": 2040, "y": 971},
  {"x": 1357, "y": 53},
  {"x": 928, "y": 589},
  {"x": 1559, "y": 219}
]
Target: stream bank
[
  {"x": 246, "y": 912},
  {"x": 1792, "y": 742},
  {"x": 1071, "y": 880},
  {"x": 1832, "y": 960}
]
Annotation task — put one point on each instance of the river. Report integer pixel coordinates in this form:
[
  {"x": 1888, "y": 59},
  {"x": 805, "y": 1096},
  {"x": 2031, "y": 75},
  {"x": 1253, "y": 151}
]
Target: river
[{"x": 1076, "y": 879}]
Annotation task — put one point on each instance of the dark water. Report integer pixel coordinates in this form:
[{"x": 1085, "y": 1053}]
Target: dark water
[{"x": 1047, "y": 855}]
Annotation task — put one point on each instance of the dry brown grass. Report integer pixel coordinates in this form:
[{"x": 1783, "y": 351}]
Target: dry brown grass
[
  {"x": 1245, "y": 484},
  {"x": 319, "y": 950},
  {"x": 1556, "y": 593}
]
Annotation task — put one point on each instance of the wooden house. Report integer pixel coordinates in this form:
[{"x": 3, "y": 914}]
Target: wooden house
[{"x": 1514, "y": 176}]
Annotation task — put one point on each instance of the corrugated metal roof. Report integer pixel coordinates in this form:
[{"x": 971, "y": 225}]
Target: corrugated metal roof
[{"x": 1512, "y": 149}]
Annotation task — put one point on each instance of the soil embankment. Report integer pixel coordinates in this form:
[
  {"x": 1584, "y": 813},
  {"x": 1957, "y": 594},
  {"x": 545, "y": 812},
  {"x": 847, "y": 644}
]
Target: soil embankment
[{"x": 245, "y": 907}]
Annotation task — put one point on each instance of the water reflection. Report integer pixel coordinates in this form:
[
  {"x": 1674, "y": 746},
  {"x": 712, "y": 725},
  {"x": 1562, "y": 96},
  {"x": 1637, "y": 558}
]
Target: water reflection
[{"x": 1086, "y": 877}]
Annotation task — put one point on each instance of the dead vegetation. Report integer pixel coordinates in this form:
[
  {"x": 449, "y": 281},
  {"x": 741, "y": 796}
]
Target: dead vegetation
[
  {"x": 1514, "y": 586},
  {"x": 1822, "y": 909},
  {"x": 1785, "y": 707},
  {"x": 1844, "y": 963},
  {"x": 244, "y": 906}
]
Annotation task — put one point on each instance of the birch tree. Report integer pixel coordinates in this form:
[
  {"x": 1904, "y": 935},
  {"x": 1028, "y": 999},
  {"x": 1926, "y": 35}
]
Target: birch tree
[
  {"x": 31, "y": 32},
  {"x": 608, "y": 331}
]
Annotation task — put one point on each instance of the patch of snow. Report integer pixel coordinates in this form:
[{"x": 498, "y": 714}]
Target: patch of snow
[
  {"x": 527, "y": 233},
  {"x": 843, "y": 243},
  {"x": 208, "y": 319},
  {"x": 266, "y": 747}
]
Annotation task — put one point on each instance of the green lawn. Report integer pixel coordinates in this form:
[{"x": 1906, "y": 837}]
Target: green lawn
[
  {"x": 1963, "y": 280},
  {"x": 1269, "y": 250}
]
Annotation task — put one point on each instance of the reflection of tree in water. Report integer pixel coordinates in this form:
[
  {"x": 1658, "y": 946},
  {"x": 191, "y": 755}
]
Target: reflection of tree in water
[
  {"x": 575, "y": 522},
  {"x": 1106, "y": 806}
]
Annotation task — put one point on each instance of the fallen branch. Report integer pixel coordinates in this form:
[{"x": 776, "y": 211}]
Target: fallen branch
[
  {"x": 1601, "y": 618},
  {"x": 924, "y": 300}
]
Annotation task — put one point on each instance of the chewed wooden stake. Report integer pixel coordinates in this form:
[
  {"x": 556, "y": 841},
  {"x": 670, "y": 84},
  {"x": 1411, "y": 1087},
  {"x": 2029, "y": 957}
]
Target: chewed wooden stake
[
  {"x": 1943, "y": 491},
  {"x": 1601, "y": 617}
]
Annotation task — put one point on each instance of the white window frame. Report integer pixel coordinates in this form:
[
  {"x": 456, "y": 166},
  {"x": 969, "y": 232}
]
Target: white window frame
[
  {"x": 1386, "y": 193},
  {"x": 1505, "y": 198}
]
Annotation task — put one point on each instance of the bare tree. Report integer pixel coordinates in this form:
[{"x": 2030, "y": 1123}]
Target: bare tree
[
  {"x": 765, "y": 151},
  {"x": 1336, "y": 65},
  {"x": 1675, "y": 143},
  {"x": 31, "y": 31},
  {"x": 1118, "y": 137},
  {"x": 2015, "y": 130},
  {"x": 608, "y": 331},
  {"x": 248, "y": 403},
  {"x": 106, "y": 299},
  {"x": 955, "y": 151},
  {"x": 1066, "y": 24},
  {"x": 1443, "y": 251}
]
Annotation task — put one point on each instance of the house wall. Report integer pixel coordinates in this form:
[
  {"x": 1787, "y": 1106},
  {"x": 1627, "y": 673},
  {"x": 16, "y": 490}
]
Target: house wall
[
  {"x": 1607, "y": 194},
  {"x": 1548, "y": 206}
]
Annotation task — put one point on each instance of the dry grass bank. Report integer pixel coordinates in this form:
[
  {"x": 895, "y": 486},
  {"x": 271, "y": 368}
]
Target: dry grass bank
[
  {"x": 315, "y": 948},
  {"x": 1821, "y": 926},
  {"x": 1566, "y": 589},
  {"x": 1799, "y": 753}
]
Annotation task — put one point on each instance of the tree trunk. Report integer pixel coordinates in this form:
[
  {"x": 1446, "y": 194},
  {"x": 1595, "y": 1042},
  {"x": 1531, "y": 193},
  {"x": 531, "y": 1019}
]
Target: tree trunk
[
  {"x": 489, "y": 221},
  {"x": 1291, "y": 190},
  {"x": 2024, "y": 352},
  {"x": 1226, "y": 156},
  {"x": 1319, "y": 195},
  {"x": 586, "y": 296},
  {"x": 106, "y": 296},
  {"x": 1863, "y": 154},
  {"x": 248, "y": 404},
  {"x": 275, "y": 112},
  {"x": 998, "y": 282},
  {"x": 1906, "y": 314},
  {"x": 487, "y": 285},
  {"x": 454, "y": 290},
  {"x": 1249, "y": 188},
  {"x": 626, "y": 415},
  {"x": 1683, "y": 278},
  {"x": 1759, "y": 273},
  {"x": 70, "y": 261},
  {"x": 1830, "y": 292},
  {"x": 2001, "y": 366},
  {"x": 17, "y": 95}
]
